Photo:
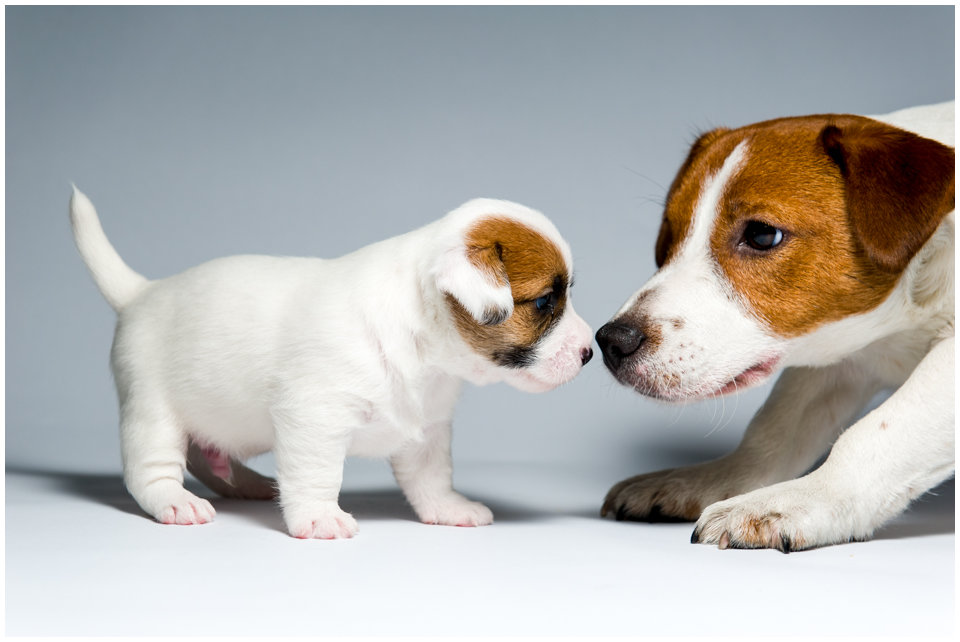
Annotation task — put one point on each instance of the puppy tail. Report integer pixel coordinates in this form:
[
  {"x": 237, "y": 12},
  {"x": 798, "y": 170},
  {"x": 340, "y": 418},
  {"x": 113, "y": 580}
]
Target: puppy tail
[{"x": 117, "y": 282}]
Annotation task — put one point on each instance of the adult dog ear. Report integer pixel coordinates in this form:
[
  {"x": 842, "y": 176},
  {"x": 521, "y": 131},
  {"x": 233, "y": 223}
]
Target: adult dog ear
[
  {"x": 898, "y": 187},
  {"x": 475, "y": 276}
]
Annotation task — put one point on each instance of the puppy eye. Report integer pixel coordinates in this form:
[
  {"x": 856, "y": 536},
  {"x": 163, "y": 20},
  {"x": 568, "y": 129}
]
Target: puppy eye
[
  {"x": 761, "y": 236},
  {"x": 546, "y": 303}
]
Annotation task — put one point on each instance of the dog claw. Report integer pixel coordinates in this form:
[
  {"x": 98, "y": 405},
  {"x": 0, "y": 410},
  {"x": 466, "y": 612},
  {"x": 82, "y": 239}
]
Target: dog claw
[
  {"x": 785, "y": 544},
  {"x": 724, "y": 542}
]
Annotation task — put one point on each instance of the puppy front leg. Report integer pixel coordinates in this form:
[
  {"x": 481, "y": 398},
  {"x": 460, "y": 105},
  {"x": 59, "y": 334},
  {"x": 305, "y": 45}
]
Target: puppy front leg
[
  {"x": 424, "y": 471},
  {"x": 894, "y": 454},
  {"x": 309, "y": 456},
  {"x": 806, "y": 410}
]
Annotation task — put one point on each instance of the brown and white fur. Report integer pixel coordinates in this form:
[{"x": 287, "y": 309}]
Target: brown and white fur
[
  {"x": 822, "y": 246},
  {"x": 319, "y": 359}
]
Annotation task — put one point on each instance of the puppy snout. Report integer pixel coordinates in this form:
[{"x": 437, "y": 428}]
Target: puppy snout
[
  {"x": 585, "y": 355},
  {"x": 617, "y": 341}
]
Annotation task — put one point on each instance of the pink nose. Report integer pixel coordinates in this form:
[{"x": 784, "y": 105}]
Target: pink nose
[{"x": 585, "y": 355}]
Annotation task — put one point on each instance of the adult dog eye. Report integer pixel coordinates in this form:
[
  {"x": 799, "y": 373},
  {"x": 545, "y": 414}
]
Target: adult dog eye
[
  {"x": 761, "y": 236},
  {"x": 546, "y": 303}
]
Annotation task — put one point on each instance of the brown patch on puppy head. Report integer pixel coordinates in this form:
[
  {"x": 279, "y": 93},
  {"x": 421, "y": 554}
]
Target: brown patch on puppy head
[
  {"x": 533, "y": 265},
  {"x": 824, "y": 269}
]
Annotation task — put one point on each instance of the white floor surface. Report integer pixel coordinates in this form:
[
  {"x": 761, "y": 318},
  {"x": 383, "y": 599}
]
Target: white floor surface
[{"x": 82, "y": 560}]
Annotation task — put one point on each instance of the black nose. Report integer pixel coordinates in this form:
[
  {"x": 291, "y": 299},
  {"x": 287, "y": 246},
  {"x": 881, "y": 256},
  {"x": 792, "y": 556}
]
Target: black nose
[
  {"x": 585, "y": 355},
  {"x": 617, "y": 341}
]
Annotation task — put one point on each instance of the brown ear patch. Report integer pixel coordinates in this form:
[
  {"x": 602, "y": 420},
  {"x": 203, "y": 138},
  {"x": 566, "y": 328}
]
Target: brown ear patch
[
  {"x": 533, "y": 266},
  {"x": 898, "y": 187},
  {"x": 489, "y": 260}
]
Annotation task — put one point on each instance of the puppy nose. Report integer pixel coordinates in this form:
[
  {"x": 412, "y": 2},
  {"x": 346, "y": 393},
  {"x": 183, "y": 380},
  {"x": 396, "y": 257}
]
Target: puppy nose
[
  {"x": 617, "y": 341},
  {"x": 585, "y": 355}
]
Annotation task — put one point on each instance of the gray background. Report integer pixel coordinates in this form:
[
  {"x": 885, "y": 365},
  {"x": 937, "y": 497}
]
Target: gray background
[{"x": 202, "y": 132}]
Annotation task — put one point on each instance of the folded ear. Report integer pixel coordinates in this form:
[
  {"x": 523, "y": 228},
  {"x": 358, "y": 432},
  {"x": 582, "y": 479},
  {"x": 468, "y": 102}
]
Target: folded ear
[
  {"x": 476, "y": 277},
  {"x": 898, "y": 187}
]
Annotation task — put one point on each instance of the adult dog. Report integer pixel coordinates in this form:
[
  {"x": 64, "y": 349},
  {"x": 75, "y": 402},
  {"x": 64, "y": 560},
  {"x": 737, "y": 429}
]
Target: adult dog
[{"x": 822, "y": 245}]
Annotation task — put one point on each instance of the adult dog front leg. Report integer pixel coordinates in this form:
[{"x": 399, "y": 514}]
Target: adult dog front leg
[
  {"x": 894, "y": 454},
  {"x": 805, "y": 412}
]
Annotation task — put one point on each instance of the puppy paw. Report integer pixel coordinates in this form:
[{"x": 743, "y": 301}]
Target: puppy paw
[
  {"x": 676, "y": 494},
  {"x": 175, "y": 505},
  {"x": 790, "y": 516},
  {"x": 453, "y": 510},
  {"x": 324, "y": 521}
]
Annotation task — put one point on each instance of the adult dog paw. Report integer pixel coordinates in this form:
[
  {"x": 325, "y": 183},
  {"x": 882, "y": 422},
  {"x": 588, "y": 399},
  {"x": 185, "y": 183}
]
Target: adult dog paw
[
  {"x": 675, "y": 494},
  {"x": 791, "y": 516}
]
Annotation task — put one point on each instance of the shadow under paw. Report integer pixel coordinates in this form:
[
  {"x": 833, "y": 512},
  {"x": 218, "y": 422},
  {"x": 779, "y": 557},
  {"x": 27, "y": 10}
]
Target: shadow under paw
[{"x": 654, "y": 515}]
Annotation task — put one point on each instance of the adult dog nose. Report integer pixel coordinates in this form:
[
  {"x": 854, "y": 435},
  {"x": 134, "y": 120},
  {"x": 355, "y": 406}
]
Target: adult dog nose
[
  {"x": 617, "y": 341},
  {"x": 585, "y": 355}
]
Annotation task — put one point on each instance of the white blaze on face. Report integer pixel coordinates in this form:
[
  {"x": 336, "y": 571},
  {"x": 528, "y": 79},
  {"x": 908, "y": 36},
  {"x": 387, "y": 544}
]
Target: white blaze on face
[{"x": 707, "y": 341}]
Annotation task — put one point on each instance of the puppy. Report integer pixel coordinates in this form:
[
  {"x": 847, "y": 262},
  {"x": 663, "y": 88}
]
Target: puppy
[
  {"x": 319, "y": 359},
  {"x": 822, "y": 246}
]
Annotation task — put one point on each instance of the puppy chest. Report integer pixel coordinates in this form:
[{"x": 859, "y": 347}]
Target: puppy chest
[{"x": 377, "y": 439}]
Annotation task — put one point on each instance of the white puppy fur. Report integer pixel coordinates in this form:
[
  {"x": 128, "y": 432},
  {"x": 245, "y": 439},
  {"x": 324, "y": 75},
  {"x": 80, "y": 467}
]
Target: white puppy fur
[{"x": 313, "y": 359}]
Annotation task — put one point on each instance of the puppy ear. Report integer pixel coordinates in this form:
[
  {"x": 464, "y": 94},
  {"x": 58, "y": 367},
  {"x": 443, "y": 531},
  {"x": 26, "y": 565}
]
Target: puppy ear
[
  {"x": 898, "y": 187},
  {"x": 476, "y": 277}
]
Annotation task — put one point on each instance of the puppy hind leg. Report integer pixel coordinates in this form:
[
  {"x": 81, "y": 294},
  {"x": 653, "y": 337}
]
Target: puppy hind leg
[
  {"x": 228, "y": 477},
  {"x": 154, "y": 445}
]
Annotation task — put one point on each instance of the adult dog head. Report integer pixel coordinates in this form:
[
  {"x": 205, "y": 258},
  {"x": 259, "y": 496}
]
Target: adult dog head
[{"x": 781, "y": 243}]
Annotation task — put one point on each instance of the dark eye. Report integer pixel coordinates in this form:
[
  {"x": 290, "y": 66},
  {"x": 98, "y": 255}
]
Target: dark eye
[
  {"x": 546, "y": 303},
  {"x": 761, "y": 236}
]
